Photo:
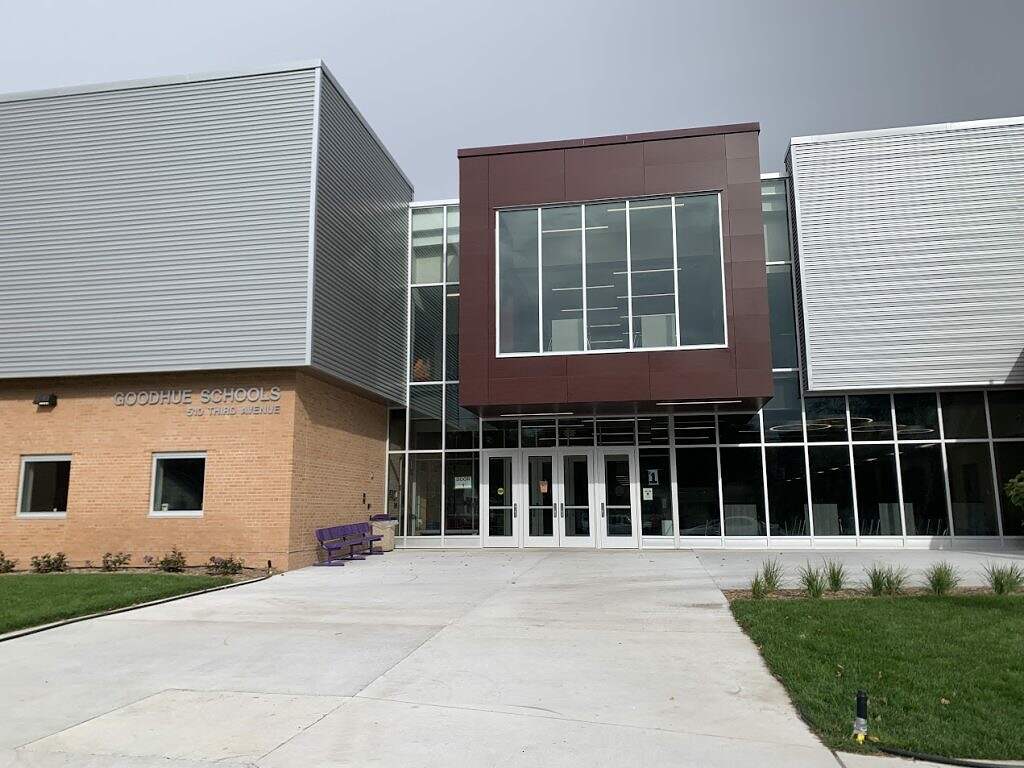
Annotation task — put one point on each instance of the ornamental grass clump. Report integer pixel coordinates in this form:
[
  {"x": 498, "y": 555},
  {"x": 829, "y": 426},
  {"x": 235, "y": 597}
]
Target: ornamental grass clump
[
  {"x": 813, "y": 580},
  {"x": 1004, "y": 579},
  {"x": 886, "y": 580},
  {"x": 942, "y": 578},
  {"x": 835, "y": 573},
  {"x": 771, "y": 574},
  {"x": 757, "y": 588}
]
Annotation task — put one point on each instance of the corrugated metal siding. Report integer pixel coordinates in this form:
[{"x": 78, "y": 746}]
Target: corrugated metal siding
[
  {"x": 156, "y": 228},
  {"x": 911, "y": 257},
  {"x": 359, "y": 310}
]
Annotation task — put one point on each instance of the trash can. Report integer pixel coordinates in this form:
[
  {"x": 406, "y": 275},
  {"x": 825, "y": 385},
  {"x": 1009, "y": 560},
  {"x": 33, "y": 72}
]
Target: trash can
[{"x": 384, "y": 526}]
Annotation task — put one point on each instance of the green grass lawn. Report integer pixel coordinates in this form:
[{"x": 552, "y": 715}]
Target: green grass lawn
[
  {"x": 27, "y": 600},
  {"x": 945, "y": 675}
]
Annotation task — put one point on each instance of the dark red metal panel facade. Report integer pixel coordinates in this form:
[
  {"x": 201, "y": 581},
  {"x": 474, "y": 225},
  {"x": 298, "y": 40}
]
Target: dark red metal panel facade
[{"x": 720, "y": 158}]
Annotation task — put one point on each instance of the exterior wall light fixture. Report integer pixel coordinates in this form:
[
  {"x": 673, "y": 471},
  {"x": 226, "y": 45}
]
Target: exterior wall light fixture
[{"x": 45, "y": 400}]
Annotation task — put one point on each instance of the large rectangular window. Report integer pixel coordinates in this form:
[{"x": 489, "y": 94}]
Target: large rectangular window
[
  {"x": 970, "y": 488},
  {"x": 462, "y": 492},
  {"x": 697, "y": 490},
  {"x": 611, "y": 276},
  {"x": 427, "y": 245},
  {"x": 655, "y": 492},
  {"x": 44, "y": 485},
  {"x": 831, "y": 493},
  {"x": 878, "y": 501},
  {"x": 425, "y": 349},
  {"x": 424, "y": 495},
  {"x": 1009, "y": 462},
  {"x": 743, "y": 492},
  {"x": 178, "y": 483},
  {"x": 924, "y": 489},
  {"x": 787, "y": 491}
]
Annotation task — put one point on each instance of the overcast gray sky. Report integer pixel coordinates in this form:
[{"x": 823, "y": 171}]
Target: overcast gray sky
[{"x": 435, "y": 76}]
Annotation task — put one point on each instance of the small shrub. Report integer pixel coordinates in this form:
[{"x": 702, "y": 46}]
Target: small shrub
[
  {"x": 942, "y": 578},
  {"x": 1004, "y": 579},
  {"x": 6, "y": 564},
  {"x": 172, "y": 562},
  {"x": 224, "y": 566},
  {"x": 757, "y": 588},
  {"x": 148, "y": 560},
  {"x": 116, "y": 562},
  {"x": 771, "y": 574},
  {"x": 835, "y": 573},
  {"x": 895, "y": 580},
  {"x": 876, "y": 579},
  {"x": 813, "y": 580},
  {"x": 48, "y": 563},
  {"x": 1015, "y": 489}
]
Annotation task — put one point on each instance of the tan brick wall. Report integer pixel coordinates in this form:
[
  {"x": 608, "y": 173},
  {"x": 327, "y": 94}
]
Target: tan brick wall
[
  {"x": 248, "y": 468},
  {"x": 339, "y": 456}
]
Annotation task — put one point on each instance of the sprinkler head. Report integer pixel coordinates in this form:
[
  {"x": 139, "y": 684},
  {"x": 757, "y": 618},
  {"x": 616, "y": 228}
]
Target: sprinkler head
[{"x": 860, "y": 720}]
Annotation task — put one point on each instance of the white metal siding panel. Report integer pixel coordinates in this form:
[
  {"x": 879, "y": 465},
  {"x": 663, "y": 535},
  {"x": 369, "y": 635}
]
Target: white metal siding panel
[
  {"x": 911, "y": 256},
  {"x": 359, "y": 308},
  {"x": 156, "y": 228}
]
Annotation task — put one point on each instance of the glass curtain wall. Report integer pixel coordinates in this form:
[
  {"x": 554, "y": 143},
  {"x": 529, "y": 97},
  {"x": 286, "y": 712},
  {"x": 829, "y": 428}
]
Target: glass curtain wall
[{"x": 914, "y": 464}]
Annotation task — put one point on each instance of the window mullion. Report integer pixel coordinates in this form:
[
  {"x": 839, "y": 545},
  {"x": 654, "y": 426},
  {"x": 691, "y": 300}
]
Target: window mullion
[
  {"x": 675, "y": 275},
  {"x": 629, "y": 282},
  {"x": 583, "y": 251}
]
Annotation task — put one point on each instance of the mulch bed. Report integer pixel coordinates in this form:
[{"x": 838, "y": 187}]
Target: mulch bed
[{"x": 846, "y": 594}]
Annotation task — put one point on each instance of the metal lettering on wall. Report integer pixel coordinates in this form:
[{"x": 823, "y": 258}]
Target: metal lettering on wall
[{"x": 217, "y": 401}]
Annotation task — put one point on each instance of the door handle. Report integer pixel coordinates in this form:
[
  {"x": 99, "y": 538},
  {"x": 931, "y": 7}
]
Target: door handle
[
  {"x": 602, "y": 509},
  {"x": 562, "y": 509},
  {"x": 515, "y": 507}
]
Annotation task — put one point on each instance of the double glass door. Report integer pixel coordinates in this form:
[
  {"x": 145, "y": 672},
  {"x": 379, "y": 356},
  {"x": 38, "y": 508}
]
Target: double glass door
[{"x": 564, "y": 497}]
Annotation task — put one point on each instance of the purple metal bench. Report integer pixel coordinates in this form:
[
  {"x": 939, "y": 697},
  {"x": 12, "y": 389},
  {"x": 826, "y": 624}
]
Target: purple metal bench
[{"x": 345, "y": 540}]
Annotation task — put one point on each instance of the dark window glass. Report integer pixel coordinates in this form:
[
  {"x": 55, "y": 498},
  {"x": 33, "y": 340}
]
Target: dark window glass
[
  {"x": 463, "y": 427},
  {"x": 499, "y": 496},
  {"x": 178, "y": 485},
  {"x": 617, "y": 481},
  {"x": 427, "y": 234},
  {"x": 452, "y": 335},
  {"x": 782, "y": 413},
  {"x": 781, "y": 317},
  {"x": 695, "y": 430},
  {"x": 743, "y": 492},
  {"x": 607, "y": 305},
  {"x": 826, "y": 420},
  {"x": 970, "y": 489},
  {"x": 787, "y": 491},
  {"x": 396, "y": 429},
  {"x": 396, "y": 481},
  {"x": 878, "y": 501},
  {"x": 561, "y": 256},
  {"x": 518, "y": 284},
  {"x": 871, "y": 417},
  {"x": 424, "y": 507},
  {"x": 575, "y": 431},
  {"x": 539, "y": 434},
  {"x": 963, "y": 415},
  {"x": 452, "y": 244},
  {"x": 615, "y": 432},
  {"x": 652, "y": 430},
  {"x": 45, "y": 486},
  {"x": 427, "y": 323},
  {"x": 917, "y": 416},
  {"x": 462, "y": 491},
  {"x": 774, "y": 207},
  {"x": 697, "y": 488},
  {"x": 831, "y": 494},
  {"x": 699, "y": 250},
  {"x": 576, "y": 494},
  {"x": 425, "y": 417},
  {"x": 655, "y": 493},
  {"x": 924, "y": 490},
  {"x": 501, "y": 434},
  {"x": 739, "y": 428},
  {"x": 1009, "y": 463},
  {"x": 1006, "y": 410}
]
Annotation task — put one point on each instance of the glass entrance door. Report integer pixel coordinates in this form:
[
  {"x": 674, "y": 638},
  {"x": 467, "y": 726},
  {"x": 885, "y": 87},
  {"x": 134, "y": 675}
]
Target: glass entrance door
[
  {"x": 541, "y": 510},
  {"x": 576, "y": 498},
  {"x": 617, "y": 494},
  {"x": 499, "y": 499}
]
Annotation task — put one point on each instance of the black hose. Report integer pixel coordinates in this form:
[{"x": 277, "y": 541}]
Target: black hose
[{"x": 938, "y": 759}]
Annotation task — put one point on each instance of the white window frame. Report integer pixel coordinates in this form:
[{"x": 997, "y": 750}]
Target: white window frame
[
  {"x": 153, "y": 512},
  {"x": 39, "y": 459},
  {"x": 629, "y": 292}
]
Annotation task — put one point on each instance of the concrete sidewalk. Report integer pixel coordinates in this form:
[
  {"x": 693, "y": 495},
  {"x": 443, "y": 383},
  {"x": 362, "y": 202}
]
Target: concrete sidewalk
[{"x": 513, "y": 658}]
